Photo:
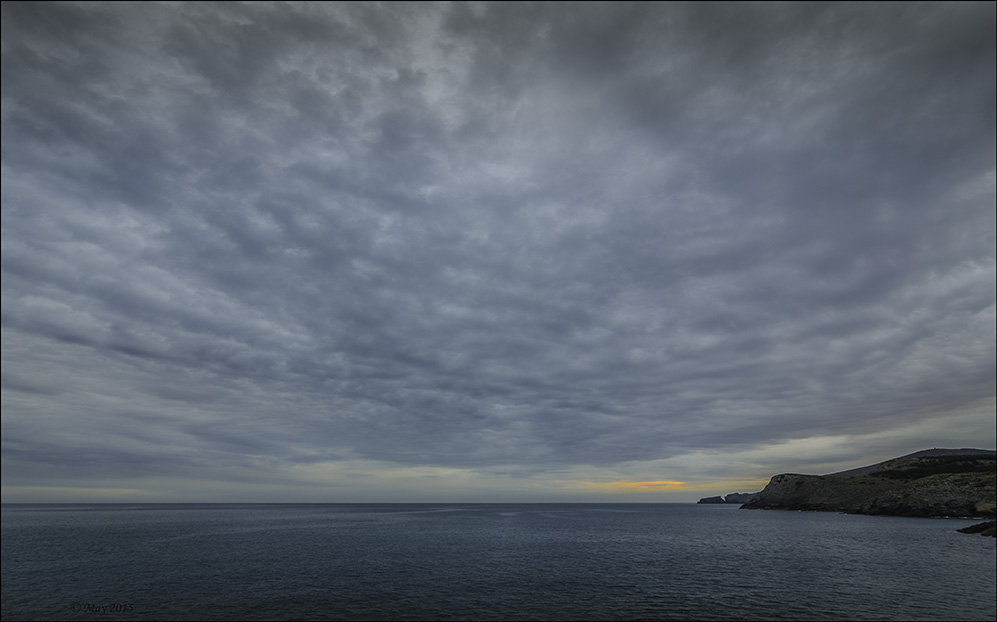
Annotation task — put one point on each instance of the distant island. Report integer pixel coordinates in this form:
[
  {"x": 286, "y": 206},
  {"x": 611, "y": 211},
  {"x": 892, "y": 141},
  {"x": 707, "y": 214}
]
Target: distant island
[{"x": 933, "y": 482}]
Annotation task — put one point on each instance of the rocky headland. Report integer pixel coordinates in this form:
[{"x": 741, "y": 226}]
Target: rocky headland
[{"x": 929, "y": 483}]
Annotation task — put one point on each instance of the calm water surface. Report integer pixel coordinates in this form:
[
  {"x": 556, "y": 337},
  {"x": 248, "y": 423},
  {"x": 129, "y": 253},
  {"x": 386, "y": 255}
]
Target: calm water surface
[{"x": 487, "y": 562}]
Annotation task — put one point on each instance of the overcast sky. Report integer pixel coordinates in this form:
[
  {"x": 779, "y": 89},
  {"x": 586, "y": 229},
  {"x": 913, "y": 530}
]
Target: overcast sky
[{"x": 498, "y": 252}]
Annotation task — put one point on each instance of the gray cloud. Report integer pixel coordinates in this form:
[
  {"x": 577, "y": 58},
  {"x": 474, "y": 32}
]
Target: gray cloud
[{"x": 504, "y": 238}]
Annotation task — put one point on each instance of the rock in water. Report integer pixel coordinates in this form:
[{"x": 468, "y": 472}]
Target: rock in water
[{"x": 988, "y": 528}]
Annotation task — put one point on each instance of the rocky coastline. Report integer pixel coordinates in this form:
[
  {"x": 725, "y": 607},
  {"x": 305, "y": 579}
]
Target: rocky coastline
[{"x": 923, "y": 484}]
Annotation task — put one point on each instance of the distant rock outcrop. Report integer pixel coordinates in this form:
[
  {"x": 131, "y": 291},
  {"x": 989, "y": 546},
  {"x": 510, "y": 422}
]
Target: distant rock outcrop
[
  {"x": 717, "y": 499},
  {"x": 734, "y": 497},
  {"x": 950, "y": 484},
  {"x": 740, "y": 497}
]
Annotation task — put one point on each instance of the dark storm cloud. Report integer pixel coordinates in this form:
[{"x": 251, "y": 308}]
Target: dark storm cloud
[{"x": 488, "y": 236}]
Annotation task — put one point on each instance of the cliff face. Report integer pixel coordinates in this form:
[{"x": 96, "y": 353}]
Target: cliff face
[{"x": 903, "y": 487}]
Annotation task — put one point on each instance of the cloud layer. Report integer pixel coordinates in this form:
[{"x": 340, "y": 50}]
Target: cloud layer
[{"x": 496, "y": 249}]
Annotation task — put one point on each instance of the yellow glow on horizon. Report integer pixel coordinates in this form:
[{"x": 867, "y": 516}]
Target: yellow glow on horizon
[{"x": 738, "y": 485}]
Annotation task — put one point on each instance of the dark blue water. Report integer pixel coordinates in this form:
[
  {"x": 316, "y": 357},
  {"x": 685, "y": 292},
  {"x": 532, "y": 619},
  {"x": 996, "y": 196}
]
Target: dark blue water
[{"x": 487, "y": 562}]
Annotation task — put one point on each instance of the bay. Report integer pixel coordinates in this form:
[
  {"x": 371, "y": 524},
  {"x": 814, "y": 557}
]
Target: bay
[{"x": 487, "y": 562}]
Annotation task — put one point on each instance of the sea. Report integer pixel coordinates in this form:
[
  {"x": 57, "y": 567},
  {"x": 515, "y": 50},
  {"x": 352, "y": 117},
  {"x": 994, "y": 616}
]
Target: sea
[{"x": 487, "y": 562}]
